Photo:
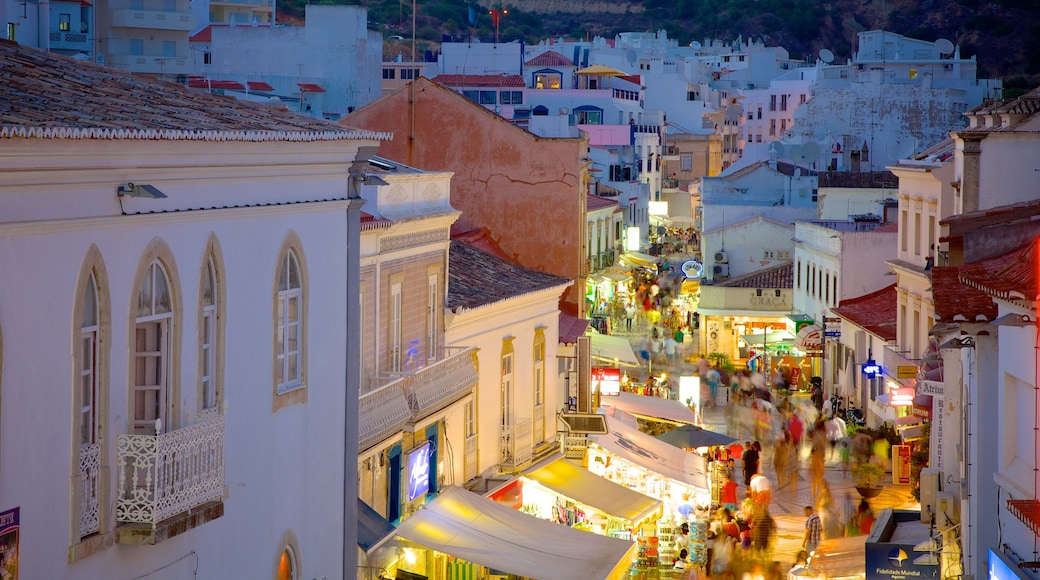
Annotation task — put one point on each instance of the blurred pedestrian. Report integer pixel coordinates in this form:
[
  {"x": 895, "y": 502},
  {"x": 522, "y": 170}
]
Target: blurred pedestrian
[
  {"x": 750, "y": 462},
  {"x": 813, "y": 530}
]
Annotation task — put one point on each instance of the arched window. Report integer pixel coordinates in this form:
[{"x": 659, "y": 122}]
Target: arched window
[
  {"x": 587, "y": 115},
  {"x": 88, "y": 420},
  {"x": 152, "y": 350},
  {"x": 289, "y": 324},
  {"x": 287, "y": 569},
  {"x": 211, "y": 333},
  {"x": 541, "y": 111}
]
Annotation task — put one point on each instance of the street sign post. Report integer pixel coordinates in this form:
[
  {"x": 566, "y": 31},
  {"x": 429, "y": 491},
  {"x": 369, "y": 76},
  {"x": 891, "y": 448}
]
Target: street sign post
[{"x": 832, "y": 333}]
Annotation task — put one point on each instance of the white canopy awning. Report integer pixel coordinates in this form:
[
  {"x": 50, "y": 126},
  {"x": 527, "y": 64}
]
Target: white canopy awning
[
  {"x": 653, "y": 454},
  {"x": 613, "y": 348},
  {"x": 650, "y": 407},
  {"x": 482, "y": 531},
  {"x": 583, "y": 486}
]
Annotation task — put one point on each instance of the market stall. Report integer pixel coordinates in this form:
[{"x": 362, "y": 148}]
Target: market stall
[
  {"x": 561, "y": 491},
  {"x": 479, "y": 530}
]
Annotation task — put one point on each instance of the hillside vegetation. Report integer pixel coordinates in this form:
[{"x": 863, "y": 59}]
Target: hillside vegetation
[{"x": 1004, "y": 35}]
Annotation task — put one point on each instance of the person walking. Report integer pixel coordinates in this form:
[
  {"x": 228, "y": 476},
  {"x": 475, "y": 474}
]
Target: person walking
[
  {"x": 813, "y": 530},
  {"x": 749, "y": 461},
  {"x": 630, "y": 315}
]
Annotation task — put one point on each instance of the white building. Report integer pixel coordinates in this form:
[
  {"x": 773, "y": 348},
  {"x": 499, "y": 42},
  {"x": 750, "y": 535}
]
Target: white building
[
  {"x": 175, "y": 350},
  {"x": 326, "y": 68},
  {"x": 781, "y": 192}
]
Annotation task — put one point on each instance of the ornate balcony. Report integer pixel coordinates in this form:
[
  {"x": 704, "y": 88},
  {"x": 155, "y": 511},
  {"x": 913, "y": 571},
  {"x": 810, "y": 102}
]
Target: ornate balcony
[
  {"x": 170, "y": 482},
  {"x": 414, "y": 394}
]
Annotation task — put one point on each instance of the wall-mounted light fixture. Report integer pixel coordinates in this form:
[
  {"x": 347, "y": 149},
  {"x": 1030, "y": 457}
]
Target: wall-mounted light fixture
[
  {"x": 373, "y": 179},
  {"x": 134, "y": 190}
]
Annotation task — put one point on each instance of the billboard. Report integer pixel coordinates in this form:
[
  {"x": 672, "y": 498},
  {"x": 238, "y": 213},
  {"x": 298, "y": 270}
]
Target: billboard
[
  {"x": 418, "y": 471},
  {"x": 9, "y": 529},
  {"x": 891, "y": 561}
]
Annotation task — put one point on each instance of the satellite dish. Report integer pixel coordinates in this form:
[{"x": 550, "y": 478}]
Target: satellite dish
[
  {"x": 631, "y": 56},
  {"x": 796, "y": 153},
  {"x": 811, "y": 151},
  {"x": 826, "y": 55},
  {"x": 944, "y": 46},
  {"x": 695, "y": 44}
]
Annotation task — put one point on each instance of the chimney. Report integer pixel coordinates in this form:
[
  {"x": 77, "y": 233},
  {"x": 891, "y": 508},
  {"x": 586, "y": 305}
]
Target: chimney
[{"x": 968, "y": 149}]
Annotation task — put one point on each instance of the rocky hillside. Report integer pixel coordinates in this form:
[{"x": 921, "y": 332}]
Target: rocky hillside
[{"x": 1004, "y": 35}]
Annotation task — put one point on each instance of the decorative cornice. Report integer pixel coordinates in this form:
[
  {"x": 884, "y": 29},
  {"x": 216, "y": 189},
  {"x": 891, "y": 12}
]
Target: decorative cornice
[
  {"x": 9, "y": 132},
  {"x": 391, "y": 243}
]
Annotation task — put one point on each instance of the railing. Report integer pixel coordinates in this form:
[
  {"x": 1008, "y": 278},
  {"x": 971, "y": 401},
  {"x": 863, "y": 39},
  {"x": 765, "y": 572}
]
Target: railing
[
  {"x": 382, "y": 413},
  {"x": 415, "y": 394},
  {"x": 153, "y": 19},
  {"x": 515, "y": 443},
  {"x": 69, "y": 40},
  {"x": 470, "y": 469},
  {"x": 626, "y": 95},
  {"x": 166, "y": 474},
  {"x": 669, "y": 182},
  {"x": 538, "y": 434},
  {"x": 90, "y": 480},
  {"x": 441, "y": 383},
  {"x": 574, "y": 446}
]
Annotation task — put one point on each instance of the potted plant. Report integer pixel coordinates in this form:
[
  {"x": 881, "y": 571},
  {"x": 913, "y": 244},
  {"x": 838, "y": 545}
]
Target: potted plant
[{"x": 867, "y": 477}]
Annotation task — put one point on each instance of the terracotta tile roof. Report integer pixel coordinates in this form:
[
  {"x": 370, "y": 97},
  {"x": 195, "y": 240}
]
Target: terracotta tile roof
[
  {"x": 571, "y": 327},
  {"x": 310, "y": 88},
  {"x": 477, "y": 237},
  {"x": 781, "y": 276},
  {"x": 595, "y": 202},
  {"x": 201, "y": 83},
  {"x": 259, "y": 86},
  {"x": 481, "y": 80},
  {"x": 955, "y": 301},
  {"x": 874, "y": 312},
  {"x": 205, "y": 35},
  {"x": 49, "y": 96},
  {"x": 1012, "y": 276},
  {"x": 477, "y": 278},
  {"x": 550, "y": 58}
]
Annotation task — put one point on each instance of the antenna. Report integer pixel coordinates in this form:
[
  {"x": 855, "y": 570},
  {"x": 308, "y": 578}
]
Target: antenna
[{"x": 826, "y": 55}]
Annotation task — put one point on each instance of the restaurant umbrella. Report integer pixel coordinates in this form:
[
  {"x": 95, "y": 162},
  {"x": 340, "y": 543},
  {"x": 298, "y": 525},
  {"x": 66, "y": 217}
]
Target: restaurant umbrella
[{"x": 692, "y": 437}]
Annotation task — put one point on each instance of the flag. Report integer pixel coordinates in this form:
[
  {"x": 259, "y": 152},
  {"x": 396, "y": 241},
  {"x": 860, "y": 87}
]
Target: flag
[
  {"x": 494, "y": 17},
  {"x": 472, "y": 15}
]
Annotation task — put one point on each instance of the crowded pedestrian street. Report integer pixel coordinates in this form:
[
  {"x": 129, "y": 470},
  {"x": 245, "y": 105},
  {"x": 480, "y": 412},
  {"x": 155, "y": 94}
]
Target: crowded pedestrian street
[{"x": 799, "y": 480}]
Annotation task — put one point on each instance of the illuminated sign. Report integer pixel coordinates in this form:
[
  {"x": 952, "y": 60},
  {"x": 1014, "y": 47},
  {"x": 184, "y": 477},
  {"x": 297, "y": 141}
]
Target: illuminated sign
[
  {"x": 902, "y": 396},
  {"x": 692, "y": 269},
  {"x": 418, "y": 471},
  {"x": 657, "y": 208},
  {"x": 871, "y": 368},
  {"x": 608, "y": 379},
  {"x": 632, "y": 238}
]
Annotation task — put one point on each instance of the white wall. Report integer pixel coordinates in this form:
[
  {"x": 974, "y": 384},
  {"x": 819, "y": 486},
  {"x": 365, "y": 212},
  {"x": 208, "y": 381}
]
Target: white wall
[{"x": 284, "y": 469}]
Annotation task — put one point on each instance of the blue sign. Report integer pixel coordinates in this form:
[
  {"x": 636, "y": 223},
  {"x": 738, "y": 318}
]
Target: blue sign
[
  {"x": 832, "y": 333},
  {"x": 1000, "y": 568},
  {"x": 885, "y": 561},
  {"x": 871, "y": 368},
  {"x": 418, "y": 471}
]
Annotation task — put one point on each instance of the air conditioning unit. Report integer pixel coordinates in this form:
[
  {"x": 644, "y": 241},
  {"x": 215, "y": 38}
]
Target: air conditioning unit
[
  {"x": 721, "y": 270},
  {"x": 929, "y": 494},
  {"x": 721, "y": 258}
]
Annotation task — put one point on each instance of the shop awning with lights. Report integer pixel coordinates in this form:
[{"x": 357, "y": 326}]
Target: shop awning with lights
[
  {"x": 473, "y": 528},
  {"x": 652, "y": 454},
  {"x": 613, "y": 348},
  {"x": 582, "y": 486},
  {"x": 638, "y": 259},
  {"x": 654, "y": 408}
]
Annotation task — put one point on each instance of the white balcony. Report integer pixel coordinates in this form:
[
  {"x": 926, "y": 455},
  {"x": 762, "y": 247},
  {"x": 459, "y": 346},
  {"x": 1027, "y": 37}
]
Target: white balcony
[
  {"x": 412, "y": 395},
  {"x": 183, "y": 21},
  {"x": 515, "y": 445},
  {"x": 164, "y": 478},
  {"x": 167, "y": 66}
]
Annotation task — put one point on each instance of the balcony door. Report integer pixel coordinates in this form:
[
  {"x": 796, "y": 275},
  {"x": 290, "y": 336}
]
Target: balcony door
[{"x": 151, "y": 354}]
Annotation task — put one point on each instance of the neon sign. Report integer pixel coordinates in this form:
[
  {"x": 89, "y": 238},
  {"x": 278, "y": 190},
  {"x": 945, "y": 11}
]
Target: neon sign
[
  {"x": 871, "y": 368},
  {"x": 418, "y": 471}
]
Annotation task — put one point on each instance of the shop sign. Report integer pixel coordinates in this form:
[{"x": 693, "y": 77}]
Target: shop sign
[
  {"x": 933, "y": 388},
  {"x": 9, "y": 531},
  {"x": 890, "y": 561},
  {"x": 902, "y": 396},
  {"x": 901, "y": 464},
  {"x": 692, "y": 269},
  {"x": 906, "y": 372},
  {"x": 1000, "y": 568},
  {"x": 418, "y": 471},
  {"x": 871, "y": 368},
  {"x": 608, "y": 379}
]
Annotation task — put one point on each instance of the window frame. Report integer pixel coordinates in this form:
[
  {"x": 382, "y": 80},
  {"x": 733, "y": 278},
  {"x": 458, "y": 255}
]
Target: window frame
[
  {"x": 211, "y": 331},
  {"x": 156, "y": 349},
  {"x": 432, "y": 320},
  {"x": 286, "y": 380},
  {"x": 543, "y": 79},
  {"x": 394, "y": 350}
]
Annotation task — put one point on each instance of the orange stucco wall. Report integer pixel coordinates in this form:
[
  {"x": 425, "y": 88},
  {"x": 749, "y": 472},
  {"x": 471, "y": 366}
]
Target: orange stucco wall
[{"x": 523, "y": 188}]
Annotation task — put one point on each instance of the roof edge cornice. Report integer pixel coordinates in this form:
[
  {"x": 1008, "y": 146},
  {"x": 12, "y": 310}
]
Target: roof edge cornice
[{"x": 9, "y": 132}]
